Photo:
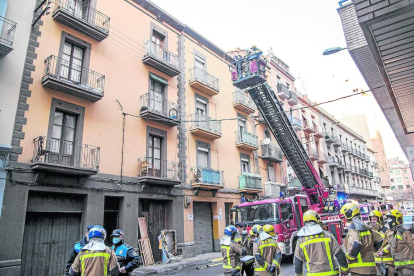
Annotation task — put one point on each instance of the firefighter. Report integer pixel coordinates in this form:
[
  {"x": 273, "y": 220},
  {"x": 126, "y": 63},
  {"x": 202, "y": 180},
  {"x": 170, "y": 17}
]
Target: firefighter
[
  {"x": 231, "y": 252},
  {"x": 76, "y": 249},
  {"x": 317, "y": 248},
  {"x": 95, "y": 258},
  {"x": 384, "y": 263},
  {"x": 400, "y": 244},
  {"x": 360, "y": 242},
  {"x": 243, "y": 236},
  {"x": 127, "y": 258},
  {"x": 253, "y": 233},
  {"x": 266, "y": 253}
]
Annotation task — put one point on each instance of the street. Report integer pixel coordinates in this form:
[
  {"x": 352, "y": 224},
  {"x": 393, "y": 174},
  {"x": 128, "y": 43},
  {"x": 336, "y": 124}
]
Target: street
[{"x": 217, "y": 270}]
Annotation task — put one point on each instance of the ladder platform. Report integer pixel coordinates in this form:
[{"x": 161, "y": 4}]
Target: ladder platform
[{"x": 248, "y": 81}]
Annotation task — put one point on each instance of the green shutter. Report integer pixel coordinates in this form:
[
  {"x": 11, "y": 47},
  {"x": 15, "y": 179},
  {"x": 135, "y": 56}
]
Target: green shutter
[{"x": 158, "y": 79}]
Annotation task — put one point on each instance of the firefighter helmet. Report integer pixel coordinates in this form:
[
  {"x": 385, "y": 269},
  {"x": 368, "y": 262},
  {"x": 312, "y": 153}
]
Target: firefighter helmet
[
  {"x": 350, "y": 210},
  {"x": 97, "y": 232},
  {"x": 269, "y": 229},
  {"x": 395, "y": 217},
  {"x": 256, "y": 229},
  {"x": 378, "y": 214},
  {"x": 311, "y": 215},
  {"x": 230, "y": 231}
]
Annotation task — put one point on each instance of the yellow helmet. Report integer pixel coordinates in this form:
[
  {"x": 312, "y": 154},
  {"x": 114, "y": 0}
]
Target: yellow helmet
[
  {"x": 311, "y": 215},
  {"x": 256, "y": 230},
  {"x": 378, "y": 214},
  {"x": 350, "y": 210},
  {"x": 395, "y": 216},
  {"x": 269, "y": 229}
]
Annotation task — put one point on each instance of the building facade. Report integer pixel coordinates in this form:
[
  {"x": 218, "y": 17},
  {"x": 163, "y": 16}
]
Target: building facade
[
  {"x": 382, "y": 162},
  {"x": 402, "y": 188}
]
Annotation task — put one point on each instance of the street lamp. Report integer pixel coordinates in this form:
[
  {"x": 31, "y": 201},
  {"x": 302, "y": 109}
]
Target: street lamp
[{"x": 332, "y": 50}]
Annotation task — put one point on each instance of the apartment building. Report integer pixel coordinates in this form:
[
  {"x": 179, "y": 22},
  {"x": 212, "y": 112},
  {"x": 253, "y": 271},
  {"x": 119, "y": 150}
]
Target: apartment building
[
  {"x": 382, "y": 161},
  {"x": 402, "y": 180}
]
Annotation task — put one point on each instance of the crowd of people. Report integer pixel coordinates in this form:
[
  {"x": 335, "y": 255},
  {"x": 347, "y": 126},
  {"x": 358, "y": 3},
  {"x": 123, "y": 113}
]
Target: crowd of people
[
  {"x": 382, "y": 247},
  {"x": 90, "y": 256}
]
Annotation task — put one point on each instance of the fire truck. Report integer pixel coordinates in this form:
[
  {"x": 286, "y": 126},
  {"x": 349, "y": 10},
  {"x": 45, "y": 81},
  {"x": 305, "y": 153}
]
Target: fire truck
[{"x": 248, "y": 73}]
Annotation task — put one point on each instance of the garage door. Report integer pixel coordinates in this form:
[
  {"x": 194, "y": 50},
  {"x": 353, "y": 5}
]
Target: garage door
[
  {"x": 203, "y": 227},
  {"x": 48, "y": 241}
]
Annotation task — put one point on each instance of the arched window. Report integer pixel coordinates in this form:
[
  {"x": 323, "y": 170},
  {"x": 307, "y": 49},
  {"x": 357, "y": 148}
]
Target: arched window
[{"x": 267, "y": 134}]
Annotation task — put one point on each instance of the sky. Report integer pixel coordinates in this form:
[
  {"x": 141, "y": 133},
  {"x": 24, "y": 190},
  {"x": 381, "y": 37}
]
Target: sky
[{"x": 298, "y": 32}]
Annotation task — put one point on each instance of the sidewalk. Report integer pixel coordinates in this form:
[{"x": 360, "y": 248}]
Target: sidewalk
[{"x": 165, "y": 269}]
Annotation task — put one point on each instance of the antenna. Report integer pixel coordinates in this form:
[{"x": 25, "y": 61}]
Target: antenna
[
  {"x": 120, "y": 105},
  {"x": 301, "y": 82}
]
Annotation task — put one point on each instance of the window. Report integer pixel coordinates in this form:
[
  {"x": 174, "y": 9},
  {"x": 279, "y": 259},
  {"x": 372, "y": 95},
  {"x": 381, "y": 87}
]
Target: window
[
  {"x": 404, "y": 171},
  {"x": 157, "y": 39},
  {"x": 271, "y": 173},
  {"x": 305, "y": 122},
  {"x": 400, "y": 187},
  {"x": 398, "y": 179},
  {"x": 245, "y": 163},
  {"x": 63, "y": 137},
  {"x": 78, "y": 8},
  {"x": 267, "y": 135},
  {"x": 72, "y": 61},
  {"x": 203, "y": 154},
  {"x": 285, "y": 210},
  {"x": 408, "y": 186},
  {"x": 154, "y": 154},
  {"x": 228, "y": 215},
  {"x": 391, "y": 173},
  {"x": 241, "y": 123},
  {"x": 201, "y": 106},
  {"x": 278, "y": 79},
  {"x": 156, "y": 99},
  {"x": 398, "y": 172},
  {"x": 405, "y": 178}
]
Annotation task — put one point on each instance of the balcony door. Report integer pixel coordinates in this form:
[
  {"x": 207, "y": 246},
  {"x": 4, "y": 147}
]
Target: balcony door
[
  {"x": 154, "y": 156},
  {"x": 71, "y": 63},
  {"x": 156, "y": 96},
  {"x": 201, "y": 113},
  {"x": 62, "y": 148},
  {"x": 78, "y": 8}
]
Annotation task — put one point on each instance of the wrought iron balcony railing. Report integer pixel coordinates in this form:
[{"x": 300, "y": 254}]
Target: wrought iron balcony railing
[
  {"x": 242, "y": 98},
  {"x": 82, "y": 11},
  {"x": 282, "y": 91},
  {"x": 199, "y": 75},
  {"x": 157, "y": 168},
  {"x": 7, "y": 29},
  {"x": 165, "y": 61},
  {"x": 208, "y": 176},
  {"x": 271, "y": 152},
  {"x": 65, "y": 153},
  {"x": 250, "y": 181},
  {"x": 205, "y": 123},
  {"x": 73, "y": 77},
  {"x": 246, "y": 138},
  {"x": 159, "y": 105}
]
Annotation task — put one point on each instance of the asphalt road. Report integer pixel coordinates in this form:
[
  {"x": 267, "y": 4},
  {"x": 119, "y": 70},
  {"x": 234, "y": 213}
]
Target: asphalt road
[{"x": 286, "y": 268}]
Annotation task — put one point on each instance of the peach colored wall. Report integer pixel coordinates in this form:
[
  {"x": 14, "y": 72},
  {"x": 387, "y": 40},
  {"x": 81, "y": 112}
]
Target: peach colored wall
[{"x": 126, "y": 79}]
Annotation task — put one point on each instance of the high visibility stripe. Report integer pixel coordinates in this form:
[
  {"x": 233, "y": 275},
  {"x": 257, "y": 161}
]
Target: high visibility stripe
[
  {"x": 365, "y": 233},
  {"x": 384, "y": 259},
  {"x": 404, "y": 263},
  {"x": 95, "y": 255},
  {"x": 349, "y": 257},
  {"x": 382, "y": 235},
  {"x": 302, "y": 245},
  {"x": 385, "y": 250},
  {"x": 227, "y": 255},
  {"x": 344, "y": 269},
  {"x": 328, "y": 252},
  {"x": 261, "y": 268},
  {"x": 334, "y": 272},
  {"x": 307, "y": 257},
  {"x": 266, "y": 245},
  {"x": 398, "y": 237},
  {"x": 275, "y": 262},
  {"x": 360, "y": 263}
]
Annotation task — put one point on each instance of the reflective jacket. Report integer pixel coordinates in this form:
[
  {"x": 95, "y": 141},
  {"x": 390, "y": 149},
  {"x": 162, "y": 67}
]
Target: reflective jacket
[
  {"x": 318, "y": 252},
  {"x": 267, "y": 255},
  {"x": 75, "y": 251},
  {"x": 360, "y": 250},
  {"x": 401, "y": 244},
  {"x": 231, "y": 256},
  {"x": 386, "y": 257},
  {"x": 95, "y": 263},
  {"x": 127, "y": 257}
]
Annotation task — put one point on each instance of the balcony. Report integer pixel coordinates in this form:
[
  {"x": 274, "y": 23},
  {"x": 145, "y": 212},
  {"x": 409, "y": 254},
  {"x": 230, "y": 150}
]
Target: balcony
[
  {"x": 351, "y": 151},
  {"x": 344, "y": 148},
  {"x": 161, "y": 59},
  {"x": 271, "y": 152},
  {"x": 317, "y": 132},
  {"x": 81, "y": 17},
  {"x": 73, "y": 80},
  {"x": 158, "y": 172},
  {"x": 205, "y": 126},
  {"x": 333, "y": 161},
  {"x": 250, "y": 183},
  {"x": 337, "y": 143},
  {"x": 243, "y": 102},
  {"x": 283, "y": 91},
  {"x": 340, "y": 187},
  {"x": 293, "y": 98},
  {"x": 7, "y": 29},
  {"x": 347, "y": 168},
  {"x": 64, "y": 157},
  {"x": 159, "y": 110},
  {"x": 296, "y": 124},
  {"x": 361, "y": 191},
  {"x": 308, "y": 128},
  {"x": 375, "y": 164},
  {"x": 330, "y": 139},
  {"x": 203, "y": 81},
  {"x": 207, "y": 179},
  {"x": 354, "y": 170},
  {"x": 371, "y": 175},
  {"x": 272, "y": 189},
  {"x": 322, "y": 158},
  {"x": 313, "y": 154},
  {"x": 246, "y": 140}
]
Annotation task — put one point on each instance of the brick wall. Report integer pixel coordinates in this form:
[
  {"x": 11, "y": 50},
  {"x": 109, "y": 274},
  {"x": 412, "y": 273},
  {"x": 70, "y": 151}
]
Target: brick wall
[
  {"x": 370, "y": 9},
  {"x": 353, "y": 33}
]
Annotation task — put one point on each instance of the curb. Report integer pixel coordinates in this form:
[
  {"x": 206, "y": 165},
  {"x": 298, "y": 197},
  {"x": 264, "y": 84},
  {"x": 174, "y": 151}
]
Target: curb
[{"x": 173, "y": 268}]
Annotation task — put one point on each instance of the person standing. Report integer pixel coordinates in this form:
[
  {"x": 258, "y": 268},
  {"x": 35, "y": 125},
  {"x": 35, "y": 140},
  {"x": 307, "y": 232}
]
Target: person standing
[
  {"x": 317, "y": 248},
  {"x": 267, "y": 254},
  {"x": 127, "y": 258},
  {"x": 401, "y": 244},
  {"x": 95, "y": 259},
  {"x": 76, "y": 249},
  {"x": 231, "y": 252},
  {"x": 360, "y": 242}
]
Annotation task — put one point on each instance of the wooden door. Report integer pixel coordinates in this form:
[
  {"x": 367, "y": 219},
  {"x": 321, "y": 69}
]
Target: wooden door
[{"x": 48, "y": 241}]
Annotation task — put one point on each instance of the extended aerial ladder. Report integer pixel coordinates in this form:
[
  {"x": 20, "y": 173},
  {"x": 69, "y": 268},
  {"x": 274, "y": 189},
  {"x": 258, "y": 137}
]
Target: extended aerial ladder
[{"x": 249, "y": 73}]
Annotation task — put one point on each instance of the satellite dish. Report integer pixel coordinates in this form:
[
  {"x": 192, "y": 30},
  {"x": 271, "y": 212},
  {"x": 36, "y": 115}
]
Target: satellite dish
[{"x": 266, "y": 141}]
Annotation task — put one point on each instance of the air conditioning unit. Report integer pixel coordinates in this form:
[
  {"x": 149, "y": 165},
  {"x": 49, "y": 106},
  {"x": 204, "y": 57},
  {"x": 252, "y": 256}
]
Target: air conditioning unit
[{"x": 272, "y": 189}]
